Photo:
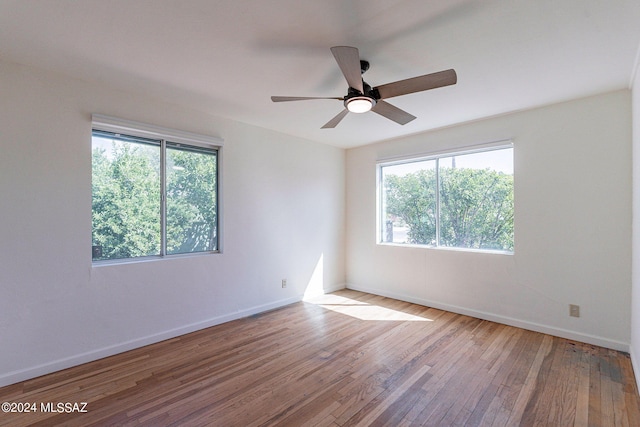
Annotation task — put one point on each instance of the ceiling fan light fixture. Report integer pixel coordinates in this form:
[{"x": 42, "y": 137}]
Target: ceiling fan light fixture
[{"x": 360, "y": 104}]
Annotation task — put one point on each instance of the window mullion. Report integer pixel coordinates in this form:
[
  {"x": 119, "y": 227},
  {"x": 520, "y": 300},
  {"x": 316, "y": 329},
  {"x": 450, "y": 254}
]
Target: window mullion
[
  {"x": 163, "y": 198},
  {"x": 437, "y": 201},
  {"x": 382, "y": 223}
]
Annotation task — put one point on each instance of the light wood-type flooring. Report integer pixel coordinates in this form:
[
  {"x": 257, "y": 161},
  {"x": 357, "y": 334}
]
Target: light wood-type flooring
[{"x": 345, "y": 359}]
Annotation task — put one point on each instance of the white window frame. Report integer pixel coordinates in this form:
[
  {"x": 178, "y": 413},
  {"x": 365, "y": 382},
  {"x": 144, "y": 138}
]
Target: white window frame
[
  {"x": 166, "y": 136},
  {"x": 436, "y": 155}
]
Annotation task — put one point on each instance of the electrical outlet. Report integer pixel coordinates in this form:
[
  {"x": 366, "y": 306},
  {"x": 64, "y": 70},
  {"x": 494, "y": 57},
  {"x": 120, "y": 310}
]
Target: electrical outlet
[
  {"x": 284, "y": 283},
  {"x": 574, "y": 310}
]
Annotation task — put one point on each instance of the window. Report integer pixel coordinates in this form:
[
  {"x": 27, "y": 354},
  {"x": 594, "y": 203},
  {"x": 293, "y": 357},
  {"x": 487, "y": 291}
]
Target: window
[
  {"x": 455, "y": 200},
  {"x": 154, "y": 191}
]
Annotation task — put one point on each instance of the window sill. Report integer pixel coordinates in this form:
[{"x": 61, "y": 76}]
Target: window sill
[
  {"x": 146, "y": 259},
  {"x": 446, "y": 248}
]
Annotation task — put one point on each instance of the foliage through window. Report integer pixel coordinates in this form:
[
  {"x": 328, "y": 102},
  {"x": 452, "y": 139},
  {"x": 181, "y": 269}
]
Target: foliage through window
[
  {"x": 458, "y": 200},
  {"x": 152, "y": 197}
]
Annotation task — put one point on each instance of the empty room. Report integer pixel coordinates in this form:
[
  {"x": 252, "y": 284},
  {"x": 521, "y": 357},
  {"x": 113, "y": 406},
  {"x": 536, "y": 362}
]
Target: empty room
[{"x": 319, "y": 213}]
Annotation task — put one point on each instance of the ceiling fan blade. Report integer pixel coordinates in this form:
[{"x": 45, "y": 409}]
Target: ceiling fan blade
[
  {"x": 418, "y": 84},
  {"x": 300, "y": 98},
  {"x": 348, "y": 59},
  {"x": 392, "y": 112},
  {"x": 337, "y": 119}
]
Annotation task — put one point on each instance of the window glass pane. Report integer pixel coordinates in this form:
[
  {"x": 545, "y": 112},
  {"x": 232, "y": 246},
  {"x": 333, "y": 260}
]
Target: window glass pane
[
  {"x": 126, "y": 196},
  {"x": 476, "y": 200},
  {"x": 191, "y": 179},
  {"x": 409, "y": 203}
]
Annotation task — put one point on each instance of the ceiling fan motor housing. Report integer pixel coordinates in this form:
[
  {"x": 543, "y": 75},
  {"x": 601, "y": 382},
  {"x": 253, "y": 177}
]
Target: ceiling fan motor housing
[
  {"x": 364, "y": 66},
  {"x": 354, "y": 95}
]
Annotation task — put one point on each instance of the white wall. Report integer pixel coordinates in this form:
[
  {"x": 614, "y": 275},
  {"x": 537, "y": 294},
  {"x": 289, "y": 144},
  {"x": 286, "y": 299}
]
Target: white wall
[
  {"x": 635, "y": 299},
  {"x": 282, "y": 210},
  {"x": 572, "y": 225}
]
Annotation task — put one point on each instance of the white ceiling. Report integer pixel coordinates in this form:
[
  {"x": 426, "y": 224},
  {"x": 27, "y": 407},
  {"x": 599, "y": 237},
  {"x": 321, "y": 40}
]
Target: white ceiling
[{"x": 227, "y": 57}]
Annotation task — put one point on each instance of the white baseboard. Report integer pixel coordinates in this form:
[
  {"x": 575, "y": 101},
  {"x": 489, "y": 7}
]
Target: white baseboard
[
  {"x": 75, "y": 360},
  {"x": 312, "y": 293},
  {"x": 531, "y": 326},
  {"x": 335, "y": 288}
]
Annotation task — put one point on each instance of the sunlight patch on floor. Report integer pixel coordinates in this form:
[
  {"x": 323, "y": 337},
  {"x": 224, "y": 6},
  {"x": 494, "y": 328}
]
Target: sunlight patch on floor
[{"x": 362, "y": 310}]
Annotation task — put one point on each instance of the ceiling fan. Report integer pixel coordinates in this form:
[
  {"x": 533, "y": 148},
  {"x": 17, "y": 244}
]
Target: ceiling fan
[{"x": 361, "y": 97}]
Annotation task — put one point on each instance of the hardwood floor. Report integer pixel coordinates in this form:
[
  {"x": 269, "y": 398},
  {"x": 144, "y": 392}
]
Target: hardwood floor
[{"x": 346, "y": 359}]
